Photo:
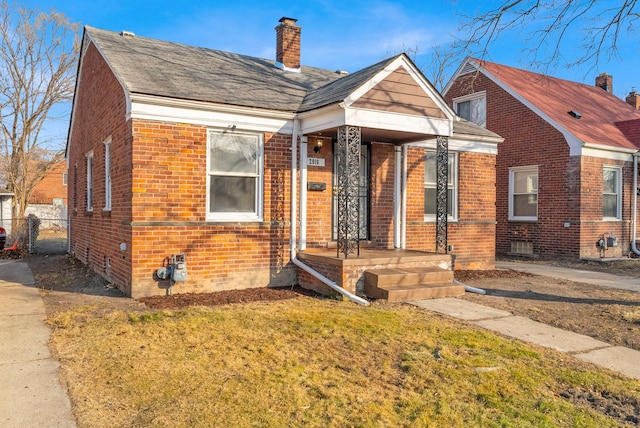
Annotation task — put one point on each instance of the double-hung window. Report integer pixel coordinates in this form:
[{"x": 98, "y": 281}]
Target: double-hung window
[
  {"x": 107, "y": 174},
  {"x": 611, "y": 193},
  {"x": 472, "y": 107},
  {"x": 430, "y": 180},
  {"x": 235, "y": 176},
  {"x": 523, "y": 193},
  {"x": 89, "y": 199}
]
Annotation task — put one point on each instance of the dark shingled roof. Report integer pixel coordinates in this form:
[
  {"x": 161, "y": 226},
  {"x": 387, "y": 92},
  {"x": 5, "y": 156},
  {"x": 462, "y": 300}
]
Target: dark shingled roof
[{"x": 155, "y": 67}]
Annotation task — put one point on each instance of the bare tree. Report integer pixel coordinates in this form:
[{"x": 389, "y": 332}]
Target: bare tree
[
  {"x": 38, "y": 54},
  {"x": 598, "y": 25}
]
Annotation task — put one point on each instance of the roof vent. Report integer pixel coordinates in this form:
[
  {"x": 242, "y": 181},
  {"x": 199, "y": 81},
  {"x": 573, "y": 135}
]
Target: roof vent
[
  {"x": 124, "y": 33},
  {"x": 342, "y": 72},
  {"x": 575, "y": 114}
]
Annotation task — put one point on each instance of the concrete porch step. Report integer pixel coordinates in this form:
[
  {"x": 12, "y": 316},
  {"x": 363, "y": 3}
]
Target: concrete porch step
[
  {"x": 410, "y": 283},
  {"x": 404, "y": 293},
  {"x": 407, "y": 276}
]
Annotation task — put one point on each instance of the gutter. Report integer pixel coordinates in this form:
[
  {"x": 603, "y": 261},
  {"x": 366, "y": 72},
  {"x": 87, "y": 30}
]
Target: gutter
[{"x": 292, "y": 233}]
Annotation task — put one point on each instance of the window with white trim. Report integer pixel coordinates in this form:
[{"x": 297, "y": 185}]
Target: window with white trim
[
  {"x": 612, "y": 192},
  {"x": 430, "y": 178},
  {"x": 472, "y": 107},
  {"x": 89, "y": 198},
  {"x": 523, "y": 193},
  {"x": 234, "y": 176},
  {"x": 107, "y": 174}
]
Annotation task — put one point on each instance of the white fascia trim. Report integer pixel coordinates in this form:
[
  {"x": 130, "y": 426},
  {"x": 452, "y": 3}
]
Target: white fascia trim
[
  {"x": 401, "y": 61},
  {"x": 322, "y": 119},
  {"x": 467, "y": 61},
  {"x": 398, "y": 122},
  {"x": 462, "y": 145},
  {"x": 198, "y": 113},
  {"x": 606, "y": 152}
]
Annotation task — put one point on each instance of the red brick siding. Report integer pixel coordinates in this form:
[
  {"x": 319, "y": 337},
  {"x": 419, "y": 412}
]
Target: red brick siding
[
  {"x": 320, "y": 203},
  {"x": 381, "y": 195},
  {"x": 96, "y": 236},
  {"x": 473, "y": 234},
  {"x": 52, "y": 186},
  {"x": 562, "y": 199}
]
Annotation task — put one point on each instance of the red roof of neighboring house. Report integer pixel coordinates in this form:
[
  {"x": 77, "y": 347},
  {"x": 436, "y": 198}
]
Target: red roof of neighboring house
[{"x": 605, "y": 119}]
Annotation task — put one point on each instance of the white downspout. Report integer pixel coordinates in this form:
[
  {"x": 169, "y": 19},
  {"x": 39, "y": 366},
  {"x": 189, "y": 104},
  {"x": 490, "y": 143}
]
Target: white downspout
[
  {"x": 634, "y": 208},
  {"x": 403, "y": 243},
  {"x": 302, "y": 241},
  {"x": 294, "y": 178},
  {"x": 397, "y": 200},
  {"x": 292, "y": 233}
]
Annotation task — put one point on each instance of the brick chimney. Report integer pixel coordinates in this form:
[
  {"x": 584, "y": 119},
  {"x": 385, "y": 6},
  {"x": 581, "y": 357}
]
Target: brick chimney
[
  {"x": 634, "y": 99},
  {"x": 288, "y": 45},
  {"x": 605, "y": 81}
]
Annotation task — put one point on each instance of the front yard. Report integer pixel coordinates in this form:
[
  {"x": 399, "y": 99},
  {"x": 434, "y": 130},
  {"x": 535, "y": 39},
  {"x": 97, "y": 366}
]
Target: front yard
[{"x": 314, "y": 362}]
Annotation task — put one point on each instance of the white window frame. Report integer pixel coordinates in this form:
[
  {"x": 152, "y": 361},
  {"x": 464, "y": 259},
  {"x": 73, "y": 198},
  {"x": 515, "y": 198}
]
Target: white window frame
[
  {"x": 107, "y": 174},
  {"x": 618, "y": 193},
  {"x": 257, "y": 215},
  {"x": 512, "y": 194},
  {"x": 481, "y": 95},
  {"x": 453, "y": 185},
  {"x": 65, "y": 178},
  {"x": 90, "y": 187}
]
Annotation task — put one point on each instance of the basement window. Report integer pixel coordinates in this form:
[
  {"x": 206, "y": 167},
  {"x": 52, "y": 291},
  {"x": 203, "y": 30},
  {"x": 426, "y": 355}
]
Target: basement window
[{"x": 234, "y": 170}]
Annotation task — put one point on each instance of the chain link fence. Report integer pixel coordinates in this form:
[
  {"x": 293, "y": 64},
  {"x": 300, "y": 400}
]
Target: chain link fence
[{"x": 38, "y": 235}]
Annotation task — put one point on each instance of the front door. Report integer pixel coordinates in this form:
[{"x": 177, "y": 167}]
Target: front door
[{"x": 365, "y": 156}]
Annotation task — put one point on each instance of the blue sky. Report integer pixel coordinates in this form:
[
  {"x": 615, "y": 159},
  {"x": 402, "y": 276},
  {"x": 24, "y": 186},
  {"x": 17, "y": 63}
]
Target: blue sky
[{"x": 346, "y": 35}]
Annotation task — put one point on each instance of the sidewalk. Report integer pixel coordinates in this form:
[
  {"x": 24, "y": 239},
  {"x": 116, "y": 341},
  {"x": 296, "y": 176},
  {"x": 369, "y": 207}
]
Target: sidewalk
[
  {"x": 586, "y": 276},
  {"x": 616, "y": 358},
  {"x": 30, "y": 391}
]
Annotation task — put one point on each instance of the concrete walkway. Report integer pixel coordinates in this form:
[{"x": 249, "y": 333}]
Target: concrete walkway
[
  {"x": 586, "y": 276},
  {"x": 30, "y": 391},
  {"x": 616, "y": 358}
]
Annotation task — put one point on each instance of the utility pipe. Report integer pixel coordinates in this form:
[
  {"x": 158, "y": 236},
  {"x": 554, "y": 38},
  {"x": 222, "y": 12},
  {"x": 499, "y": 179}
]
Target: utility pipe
[
  {"x": 634, "y": 248},
  {"x": 470, "y": 288},
  {"x": 292, "y": 233}
]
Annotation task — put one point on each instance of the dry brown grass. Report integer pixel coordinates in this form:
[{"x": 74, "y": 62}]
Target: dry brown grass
[{"x": 310, "y": 362}]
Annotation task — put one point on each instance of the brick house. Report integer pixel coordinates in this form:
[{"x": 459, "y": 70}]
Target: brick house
[
  {"x": 268, "y": 173},
  {"x": 52, "y": 190},
  {"x": 565, "y": 171}
]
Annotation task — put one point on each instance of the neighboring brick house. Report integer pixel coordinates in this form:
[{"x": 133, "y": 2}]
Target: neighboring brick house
[
  {"x": 565, "y": 171},
  {"x": 52, "y": 190},
  {"x": 229, "y": 159}
]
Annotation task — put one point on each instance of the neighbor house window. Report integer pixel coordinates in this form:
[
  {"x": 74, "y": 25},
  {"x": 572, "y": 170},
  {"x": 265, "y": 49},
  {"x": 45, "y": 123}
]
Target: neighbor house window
[
  {"x": 430, "y": 177},
  {"x": 107, "y": 175},
  {"x": 65, "y": 178},
  {"x": 234, "y": 169},
  {"x": 472, "y": 107},
  {"x": 89, "y": 206},
  {"x": 612, "y": 192},
  {"x": 523, "y": 193}
]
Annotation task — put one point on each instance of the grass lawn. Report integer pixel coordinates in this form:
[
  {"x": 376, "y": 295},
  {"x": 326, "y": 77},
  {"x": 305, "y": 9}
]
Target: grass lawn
[{"x": 317, "y": 363}]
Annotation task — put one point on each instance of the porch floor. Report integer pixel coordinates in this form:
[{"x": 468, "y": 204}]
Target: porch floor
[{"x": 391, "y": 274}]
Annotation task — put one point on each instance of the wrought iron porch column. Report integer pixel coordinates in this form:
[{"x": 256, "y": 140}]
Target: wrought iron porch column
[
  {"x": 348, "y": 174},
  {"x": 442, "y": 191}
]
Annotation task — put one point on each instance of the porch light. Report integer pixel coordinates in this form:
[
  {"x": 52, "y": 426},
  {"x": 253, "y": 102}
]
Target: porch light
[{"x": 318, "y": 146}]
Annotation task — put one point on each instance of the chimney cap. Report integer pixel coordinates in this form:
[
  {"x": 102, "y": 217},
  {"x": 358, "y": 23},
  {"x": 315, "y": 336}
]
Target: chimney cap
[{"x": 288, "y": 21}]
